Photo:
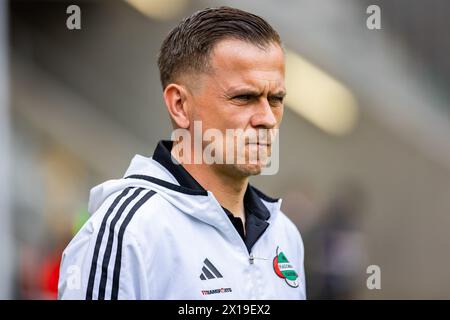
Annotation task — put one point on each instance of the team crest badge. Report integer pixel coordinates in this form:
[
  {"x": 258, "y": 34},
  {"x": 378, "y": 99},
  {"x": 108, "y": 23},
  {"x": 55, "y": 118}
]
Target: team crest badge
[{"x": 284, "y": 269}]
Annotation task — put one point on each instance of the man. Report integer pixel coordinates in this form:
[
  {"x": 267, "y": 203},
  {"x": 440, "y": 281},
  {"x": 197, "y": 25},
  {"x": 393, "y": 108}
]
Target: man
[{"x": 178, "y": 228}]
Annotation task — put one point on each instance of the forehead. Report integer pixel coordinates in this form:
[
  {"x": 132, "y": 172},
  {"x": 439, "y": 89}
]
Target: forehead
[{"x": 234, "y": 62}]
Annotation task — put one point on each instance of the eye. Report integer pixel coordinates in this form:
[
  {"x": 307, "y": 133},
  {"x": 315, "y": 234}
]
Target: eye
[
  {"x": 243, "y": 97},
  {"x": 277, "y": 99}
]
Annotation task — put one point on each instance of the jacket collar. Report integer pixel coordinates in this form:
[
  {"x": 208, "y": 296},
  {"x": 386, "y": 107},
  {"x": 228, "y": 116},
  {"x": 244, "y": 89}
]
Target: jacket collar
[{"x": 252, "y": 201}]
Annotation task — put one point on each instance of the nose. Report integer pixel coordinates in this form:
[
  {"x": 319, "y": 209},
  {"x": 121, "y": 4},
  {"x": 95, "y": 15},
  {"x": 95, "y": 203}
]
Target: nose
[{"x": 264, "y": 116}]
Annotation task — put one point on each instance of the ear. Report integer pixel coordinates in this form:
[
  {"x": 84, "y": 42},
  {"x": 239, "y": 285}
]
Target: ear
[{"x": 175, "y": 97}]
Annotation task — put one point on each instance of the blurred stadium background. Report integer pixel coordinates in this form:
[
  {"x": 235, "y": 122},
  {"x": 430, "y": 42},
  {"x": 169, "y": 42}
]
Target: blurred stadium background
[{"x": 365, "y": 142}]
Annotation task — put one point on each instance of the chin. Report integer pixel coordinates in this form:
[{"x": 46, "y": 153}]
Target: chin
[{"x": 247, "y": 170}]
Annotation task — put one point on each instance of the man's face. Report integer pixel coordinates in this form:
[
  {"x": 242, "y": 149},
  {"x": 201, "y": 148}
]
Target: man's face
[{"x": 244, "y": 89}]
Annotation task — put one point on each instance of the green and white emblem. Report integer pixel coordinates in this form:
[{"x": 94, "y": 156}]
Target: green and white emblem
[{"x": 284, "y": 269}]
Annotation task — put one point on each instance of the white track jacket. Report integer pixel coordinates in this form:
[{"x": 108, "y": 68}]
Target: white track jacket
[{"x": 150, "y": 238}]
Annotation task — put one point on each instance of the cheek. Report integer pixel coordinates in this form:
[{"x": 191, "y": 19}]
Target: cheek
[
  {"x": 205, "y": 110},
  {"x": 219, "y": 115},
  {"x": 278, "y": 113}
]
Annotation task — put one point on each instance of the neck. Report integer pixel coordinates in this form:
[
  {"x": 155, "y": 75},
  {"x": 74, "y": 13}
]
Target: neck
[{"x": 228, "y": 190}]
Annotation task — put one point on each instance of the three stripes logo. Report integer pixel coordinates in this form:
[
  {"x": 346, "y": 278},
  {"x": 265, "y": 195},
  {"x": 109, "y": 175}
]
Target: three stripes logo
[
  {"x": 119, "y": 213},
  {"x": 209, "y": 271}
]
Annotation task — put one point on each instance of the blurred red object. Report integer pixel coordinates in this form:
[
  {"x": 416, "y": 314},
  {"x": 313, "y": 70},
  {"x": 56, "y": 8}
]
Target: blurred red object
[{"x": 49, "y": 275}]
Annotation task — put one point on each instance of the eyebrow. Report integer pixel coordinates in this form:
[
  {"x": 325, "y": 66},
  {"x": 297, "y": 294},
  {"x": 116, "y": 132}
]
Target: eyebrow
[
  {"x": 279, "y": 93},
  {"x": 252, "y": 91}
]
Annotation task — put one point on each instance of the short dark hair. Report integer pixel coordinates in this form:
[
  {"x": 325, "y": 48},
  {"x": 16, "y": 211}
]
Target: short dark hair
[{"x": 188, "y": 46}]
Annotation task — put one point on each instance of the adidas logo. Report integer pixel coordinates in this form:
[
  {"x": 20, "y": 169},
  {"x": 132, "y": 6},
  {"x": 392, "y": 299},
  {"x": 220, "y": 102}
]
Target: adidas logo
[{"x": 209, "y": 271}]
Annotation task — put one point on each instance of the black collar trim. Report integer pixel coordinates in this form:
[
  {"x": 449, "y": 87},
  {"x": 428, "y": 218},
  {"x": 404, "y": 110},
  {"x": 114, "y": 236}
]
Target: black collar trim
[
  {"x": 163, "y": 155},
  {"x": 264, "y": 196},
  {"x": 169, "y": 185}
]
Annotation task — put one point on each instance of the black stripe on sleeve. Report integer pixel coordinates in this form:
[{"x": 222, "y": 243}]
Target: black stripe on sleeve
[
  {"x": 98, "y": 242},
  {"x": 108, "y": 249},
  {"x": 118, "y": 263}
]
